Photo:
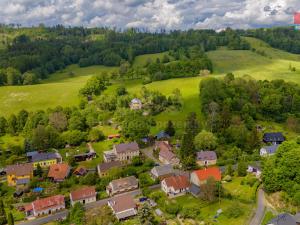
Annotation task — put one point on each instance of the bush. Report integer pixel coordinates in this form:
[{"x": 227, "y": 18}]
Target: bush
[
  {"x": 172, "y": 208},
  {"x": 191, "y": 212},
  {"x": 234, "y": 211}
]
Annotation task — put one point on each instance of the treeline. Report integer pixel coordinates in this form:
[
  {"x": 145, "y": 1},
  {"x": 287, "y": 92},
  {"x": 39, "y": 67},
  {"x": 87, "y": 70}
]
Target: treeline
[
  {"x": 233, "y": 105},
  {"x": 284, "y": 38},
  {"x": 282, "y": 172},
  {"x": 34, "y": 57}
]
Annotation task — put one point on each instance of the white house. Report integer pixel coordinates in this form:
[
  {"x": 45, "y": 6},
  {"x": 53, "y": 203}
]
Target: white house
[
  {"x": 175, "y": 185},
  {"x": 268, "y": 150},
  {"x": 83, "y": 195}
]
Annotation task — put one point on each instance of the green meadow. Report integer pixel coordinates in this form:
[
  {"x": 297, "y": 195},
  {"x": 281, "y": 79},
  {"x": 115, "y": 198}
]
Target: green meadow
[{"x": 62, "y": 87}]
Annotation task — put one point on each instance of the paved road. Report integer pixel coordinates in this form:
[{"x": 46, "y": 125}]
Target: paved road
[
  {"x": 260, "y": 210},
  {"x": 148, "y": 152},
  {"x": 62, "y": 214}
]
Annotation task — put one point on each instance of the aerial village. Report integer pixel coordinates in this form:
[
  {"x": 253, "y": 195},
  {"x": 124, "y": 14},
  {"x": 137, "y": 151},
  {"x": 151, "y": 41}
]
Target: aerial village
[{"x": 124, "y": 195}]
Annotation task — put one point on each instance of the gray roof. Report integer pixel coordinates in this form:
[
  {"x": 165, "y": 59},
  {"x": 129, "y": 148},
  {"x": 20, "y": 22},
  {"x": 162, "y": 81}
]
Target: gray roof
[
  {"x": 297, "y": 217},
  {"x": 41, "y": 156},
  {"x": 271, "y": 149},
  {"x": 206, "y": 155},
  {"x": 163, "y": 170},
  {"x": 194, "y": 190},
  {"x": 283, "y": 219},
  {"x": 23, "y": 181},
  {"x": 126, "y": 182},
  {"x": 127, "y": 147},
  {"x": 108, "y": 165}
]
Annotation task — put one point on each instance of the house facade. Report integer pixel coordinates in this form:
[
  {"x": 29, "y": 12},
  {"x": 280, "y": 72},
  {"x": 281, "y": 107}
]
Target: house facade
[
  {"x": 206, "y": 158},
  {"x": 136, "y": 104},
  {"x": 123, "y": 207},
  {"x": 199, "y": 177},
  {"x": 122, "y": 152},
  {"x": 19, "y": 174},
  {"x": 44, "y": 159},
  {"x": 268, "y": 150},
  {"x": 255, "y": 169},
  {"x": 84, "y": 195},
  {"x": 45, "y": 206},
  {"x": 175, "y": 186},
  {"x": 122, "y": 185}
]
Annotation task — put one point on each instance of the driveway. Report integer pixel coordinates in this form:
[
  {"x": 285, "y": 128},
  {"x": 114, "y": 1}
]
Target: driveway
[{"x": 260, "y": 210}]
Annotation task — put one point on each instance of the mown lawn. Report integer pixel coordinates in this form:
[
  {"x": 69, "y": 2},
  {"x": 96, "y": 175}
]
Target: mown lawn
[{"x": 142, "y": 60}]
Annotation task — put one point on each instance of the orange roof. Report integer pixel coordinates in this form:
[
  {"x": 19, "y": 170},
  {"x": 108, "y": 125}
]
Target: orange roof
[
  {"x": 177, "y": 182},
  {"x": 59, "y": 171},
  {"x": 83, "y": 193},
  {"x": 46, "y": 203},
  {"x": 204, "y": 174}
]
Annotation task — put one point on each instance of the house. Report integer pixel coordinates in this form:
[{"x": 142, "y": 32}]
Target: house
[
  {"x": 113, "y": 136},
  {"x": 194, "y": 190},
  {"x": 166, "y": 155},
  {"x": 85, "y": 156},
  {"x": 175, "y": 185},
  {"x": 44, "y": 159},
  {"x": 105, "y": 167},
  {"x": 80, "y": 171},
  {"x": 162, "y": 135},
  {"x": 274, "y": 138},
  {"x": 161, "y": 172},
  {"x": 83, "y": 195},
  {"x": 255, "y": 169},
  {"x": 122, "y": 185},
  {"x": 285, "y": 219},
  {"x": 136, "y": 104},
  {"x": 59, "y": 172},
  {"x": 19, "y": 174},
  {"x": 122, "y": 152},
  {"x": 200, "y": 177},
  {"x": 268, "y": 150},
  {"x": 123, "y": 206},
  {"x": 206, "y": 158},
  {"x": 45, "y": 206}
]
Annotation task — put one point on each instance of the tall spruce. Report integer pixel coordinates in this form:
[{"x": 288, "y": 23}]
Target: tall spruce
[
  {"x": 3, "y": 219},
  {"x": 10, "y": 219}
]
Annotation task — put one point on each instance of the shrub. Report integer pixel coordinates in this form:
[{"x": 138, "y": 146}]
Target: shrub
[{"x": 234, "y": 211}]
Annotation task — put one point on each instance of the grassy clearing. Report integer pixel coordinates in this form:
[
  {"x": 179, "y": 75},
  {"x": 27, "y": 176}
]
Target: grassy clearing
[
  {"x": 267, "y": 217},
  {"x": 8, "y": 141},
  {"x": 61, "y": 89},
  {"x": 142, "y": 60}
]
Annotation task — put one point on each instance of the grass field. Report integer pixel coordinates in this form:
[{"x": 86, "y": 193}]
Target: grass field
[
  {"x": 61, "y": 89},
  {"x": 143, "y": 59}
]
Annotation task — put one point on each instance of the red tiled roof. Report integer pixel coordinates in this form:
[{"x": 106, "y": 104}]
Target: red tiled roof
[
  {"x": 163, "y": 145},
  {"x": 122, "y": 203},
  {"x": 45, "y": 203},
  {"x": 204, "y": 174},
  {"x": 177, "y": 182},
  {"x": 83, "y": 193},
  {"x": 59, "y": 171}
]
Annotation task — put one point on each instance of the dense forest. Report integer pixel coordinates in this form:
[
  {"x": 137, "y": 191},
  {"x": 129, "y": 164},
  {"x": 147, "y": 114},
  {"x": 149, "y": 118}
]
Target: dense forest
[
  {"x": 284, "y": 38},
  {"x": 30, "y": 57}
]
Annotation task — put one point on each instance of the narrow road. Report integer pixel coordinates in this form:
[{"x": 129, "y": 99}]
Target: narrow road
[
  {"x": 64, "y": 213},
  {"x": 260, "y": 210}
]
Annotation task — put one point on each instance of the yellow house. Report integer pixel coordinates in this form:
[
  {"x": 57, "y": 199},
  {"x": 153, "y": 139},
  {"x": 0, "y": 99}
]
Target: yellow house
[
  {"x": 44, "y": 159},
  {"x": 19, "y": 174}
]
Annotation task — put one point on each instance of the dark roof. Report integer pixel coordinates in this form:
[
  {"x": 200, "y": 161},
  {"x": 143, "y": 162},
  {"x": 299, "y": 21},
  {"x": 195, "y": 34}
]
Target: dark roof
[
  {"x": 283, "y": 219},
  {"x": 195, "y": 190},
  {"x": 206, "y": 155},
  {"x": 108, "y": 165},
  {"x": 273, "y": 137},
  {"x": 163, "y": 170},
  {"x": 127, "y": 147},
  {"x": 41, "y": 156},
  {"x": 162, "y": 134},
  {"x": 271, "y": 149}
]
